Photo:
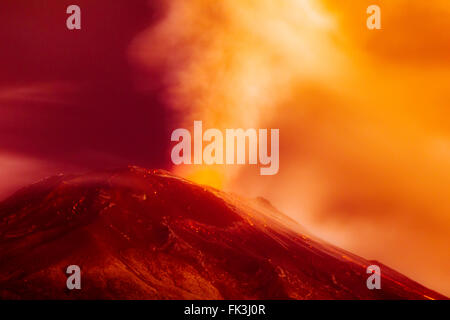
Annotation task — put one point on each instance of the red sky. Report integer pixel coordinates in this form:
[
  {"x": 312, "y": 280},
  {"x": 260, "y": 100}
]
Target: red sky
[
  {"x": 363, "y": 115},
  {"x": 68, "y": 99}
]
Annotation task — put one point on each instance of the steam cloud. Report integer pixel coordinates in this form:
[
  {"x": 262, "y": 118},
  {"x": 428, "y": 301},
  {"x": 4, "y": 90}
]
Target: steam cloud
[{"x": 363, "y": 115}]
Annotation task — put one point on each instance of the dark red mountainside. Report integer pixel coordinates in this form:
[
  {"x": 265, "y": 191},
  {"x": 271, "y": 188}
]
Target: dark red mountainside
[{"x": 146, "y": 234}]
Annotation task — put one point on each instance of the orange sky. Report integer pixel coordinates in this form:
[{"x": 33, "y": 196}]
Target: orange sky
[{"x": 363, "y": 114}]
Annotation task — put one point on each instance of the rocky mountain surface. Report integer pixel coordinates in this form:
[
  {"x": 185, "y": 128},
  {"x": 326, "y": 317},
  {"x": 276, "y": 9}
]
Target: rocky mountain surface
[{"x": 146, "y": 234}]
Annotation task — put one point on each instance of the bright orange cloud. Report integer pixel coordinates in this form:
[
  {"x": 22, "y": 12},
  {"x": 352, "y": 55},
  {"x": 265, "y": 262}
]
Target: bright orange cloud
[{"x": 363, "y": 114}]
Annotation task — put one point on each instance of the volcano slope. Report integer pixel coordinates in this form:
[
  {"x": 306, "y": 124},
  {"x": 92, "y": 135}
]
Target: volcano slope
[{"x": 146, "y": 234}]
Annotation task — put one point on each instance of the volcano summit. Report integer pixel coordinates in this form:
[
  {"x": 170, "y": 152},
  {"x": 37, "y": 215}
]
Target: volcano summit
[{"x": 146, "y": 234}]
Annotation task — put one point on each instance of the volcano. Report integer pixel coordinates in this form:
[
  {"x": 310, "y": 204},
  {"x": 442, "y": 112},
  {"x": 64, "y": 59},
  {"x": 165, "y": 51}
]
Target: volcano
[{"x": 147, "y": 234}]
